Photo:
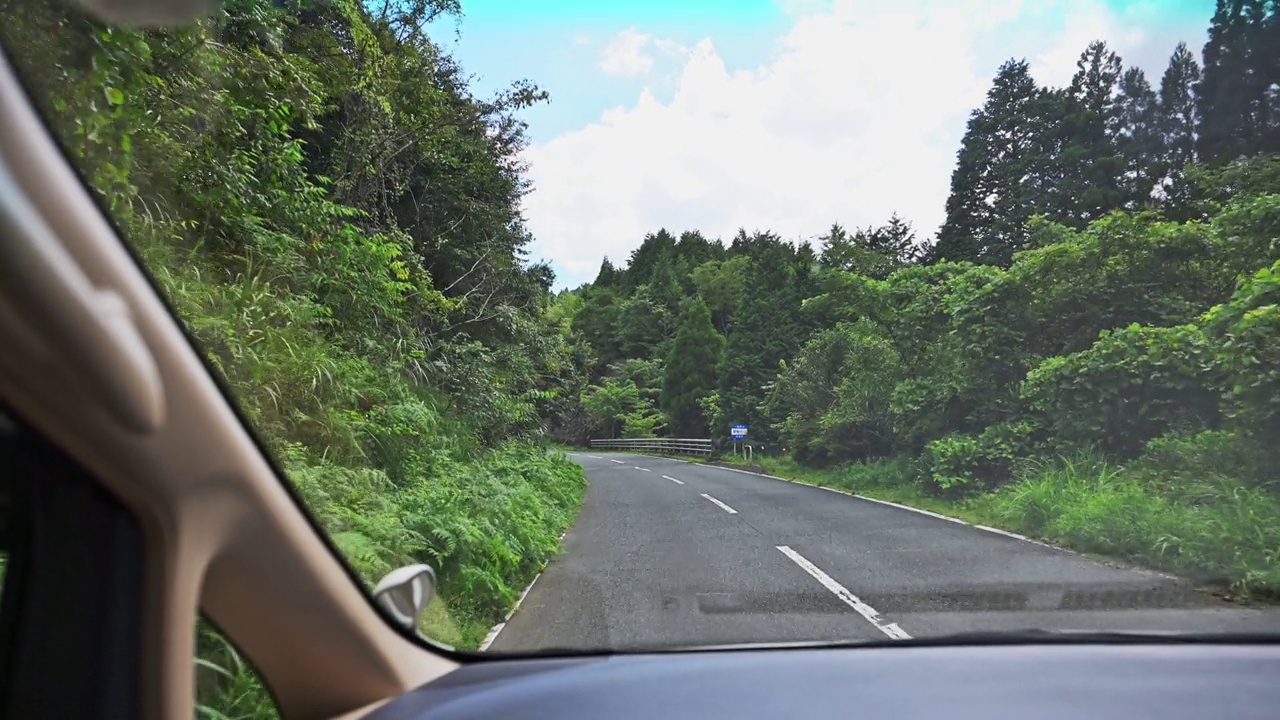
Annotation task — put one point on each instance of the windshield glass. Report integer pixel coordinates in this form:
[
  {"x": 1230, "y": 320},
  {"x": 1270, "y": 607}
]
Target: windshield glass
[{"x": 734, "y": 322}]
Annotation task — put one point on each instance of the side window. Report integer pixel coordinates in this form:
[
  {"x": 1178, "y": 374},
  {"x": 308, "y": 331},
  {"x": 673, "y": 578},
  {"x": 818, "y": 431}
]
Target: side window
[
  {"x": 67, "y": 550},
  {"x": 71, "y": 603},
  {"x": 227, "y": 687}
]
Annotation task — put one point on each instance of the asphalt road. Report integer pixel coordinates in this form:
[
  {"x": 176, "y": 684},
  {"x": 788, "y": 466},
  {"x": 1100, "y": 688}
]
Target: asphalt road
[{"x": 672, "y": 554}]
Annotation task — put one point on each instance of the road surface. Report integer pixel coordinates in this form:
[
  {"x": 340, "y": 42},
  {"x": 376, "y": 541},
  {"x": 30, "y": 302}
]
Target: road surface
[{"x": 673, "y": 554}]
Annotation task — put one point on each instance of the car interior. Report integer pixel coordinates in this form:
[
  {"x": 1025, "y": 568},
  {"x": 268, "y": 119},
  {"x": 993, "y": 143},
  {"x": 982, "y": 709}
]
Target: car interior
[
  {"x": 176, "y": 509},
  {"x": 135, "y": 500}
]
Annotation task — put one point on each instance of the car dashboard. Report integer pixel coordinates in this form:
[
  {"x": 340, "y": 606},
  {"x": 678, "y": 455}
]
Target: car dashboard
[{"x": 1096, "y": 681}]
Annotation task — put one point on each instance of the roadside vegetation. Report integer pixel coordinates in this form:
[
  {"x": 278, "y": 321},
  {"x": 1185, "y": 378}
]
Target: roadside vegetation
[{"x": 1215, "y": 533}]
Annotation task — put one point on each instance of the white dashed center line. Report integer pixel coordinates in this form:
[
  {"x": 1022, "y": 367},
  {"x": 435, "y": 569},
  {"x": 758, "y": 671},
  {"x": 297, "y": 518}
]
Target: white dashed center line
[
  {"x": 724, "y": 507},
  {"x": 594, "y": 457},
  {"x": 668, "y": 477},
  {"x": 617, "y": 461},
  {"x": 640, "y": 468},
  {"x": 869, "y": 613}
]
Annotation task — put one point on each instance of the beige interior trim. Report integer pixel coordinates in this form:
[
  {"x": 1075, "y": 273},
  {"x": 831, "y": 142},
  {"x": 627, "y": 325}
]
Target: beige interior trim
[{"x": 222, "y": 532}]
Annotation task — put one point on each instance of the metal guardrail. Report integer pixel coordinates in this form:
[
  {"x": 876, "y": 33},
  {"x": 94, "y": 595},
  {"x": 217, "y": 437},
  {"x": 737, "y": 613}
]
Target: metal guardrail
[{"x": 671, "y": 446}]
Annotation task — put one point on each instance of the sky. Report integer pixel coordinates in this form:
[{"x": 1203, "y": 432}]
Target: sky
[{"x": 782, "y": 115}]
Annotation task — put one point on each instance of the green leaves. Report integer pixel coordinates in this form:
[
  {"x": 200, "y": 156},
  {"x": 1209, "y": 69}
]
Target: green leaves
[
  {"x": 1246, "y": 331},
  {"x": 610, "y": 402},
  {"x": 965, "y": 464},
  {"x": 834, "y": 397},
  {"x": 690, "y": 372},
  {"x": 1133, "y": 385}
]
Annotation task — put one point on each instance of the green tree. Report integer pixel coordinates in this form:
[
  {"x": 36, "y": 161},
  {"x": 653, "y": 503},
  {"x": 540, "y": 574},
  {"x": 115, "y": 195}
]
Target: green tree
[
  {"x": 645, "y": 422},
  {"x": 597, "y": 322},
  {"x": 1238, "y": 106},
  {"x": 646, "y": 373},
  {"x": 874, "y": 251},
  {"x": 835, "y": 395},
  {"x": 1178, "y": 110},
  {"x": 657, "y": 248},
  {"x": 608, "y": 275},
  {"x": 690, "y": 374},
  {"x": 1003, "y": 175},
  {"x": 722, "y": 284},
  {"x": 1090, "y": 164},
  {"x": 768, "y": 328},
  {"x": 610, "y": 402},
  {"x": 1139, "y": 139},
  {"x": 644, "y": 323},
  {"x": 692, "y": 251}
]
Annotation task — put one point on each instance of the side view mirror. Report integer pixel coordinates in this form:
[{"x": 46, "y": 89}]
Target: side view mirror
[{"x": 404, "y": 593}]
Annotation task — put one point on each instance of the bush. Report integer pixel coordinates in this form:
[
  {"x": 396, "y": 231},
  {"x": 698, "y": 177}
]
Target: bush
[
  {"x": 1133, "y": 385},
  {"x": 963, "y": 464},
  {"x": 899, "y": 472},
  {"x": 941, "y": 398},
  {"x": 487, "y": 526},
  {"x": 1185, "y": 461},
  {"x": 834, "y": 397},
  {"x": 1246, "y": 332}
]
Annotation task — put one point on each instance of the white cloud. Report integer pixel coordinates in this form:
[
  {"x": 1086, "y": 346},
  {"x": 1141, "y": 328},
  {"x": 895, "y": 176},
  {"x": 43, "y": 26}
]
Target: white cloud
[
  {"x": 858, "y": 113},
  {"x": 1055, "y": 64},
  {"x": 625, "y": 54},
  {"x": 671, "y": 48}
]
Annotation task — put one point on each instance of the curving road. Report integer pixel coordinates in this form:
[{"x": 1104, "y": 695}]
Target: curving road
[{"x": 673, "y": 554}]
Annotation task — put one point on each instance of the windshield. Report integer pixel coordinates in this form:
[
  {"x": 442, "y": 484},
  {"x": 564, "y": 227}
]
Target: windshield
[{"x": 727, "y": 322}]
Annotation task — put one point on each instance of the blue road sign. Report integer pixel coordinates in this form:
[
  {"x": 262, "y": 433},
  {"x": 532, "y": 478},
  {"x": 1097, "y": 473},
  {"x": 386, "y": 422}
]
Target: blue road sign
[{"x": 738, "y": 431}]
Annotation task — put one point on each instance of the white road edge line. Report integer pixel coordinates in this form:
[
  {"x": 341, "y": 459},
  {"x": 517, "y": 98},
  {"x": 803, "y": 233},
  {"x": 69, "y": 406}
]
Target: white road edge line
[
  {"x": 957, "y": 521},
  {"x": 1024, "y": 538},
  {"x": 869, "y": 613},
  {"x": 724, "y": 507},
  {"x": 668, "y": 477},
  {"x": 1006, "y": 533},
  {"x": 493, "y": 632},
  {"x": 637, "y": 467},
  {"x": 493, "y": 635}
]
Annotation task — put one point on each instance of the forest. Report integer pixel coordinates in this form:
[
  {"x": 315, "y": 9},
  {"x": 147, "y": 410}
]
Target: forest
[{"x": 1087, "y": 351}]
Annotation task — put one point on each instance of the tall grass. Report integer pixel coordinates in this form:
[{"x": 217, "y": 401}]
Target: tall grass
[
  {"x": 1216, "y": 531},
  {"x": 1209, "y": 527},
  {"x": 226, "y": 687},
  {"x": 896, "y": 479}
]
